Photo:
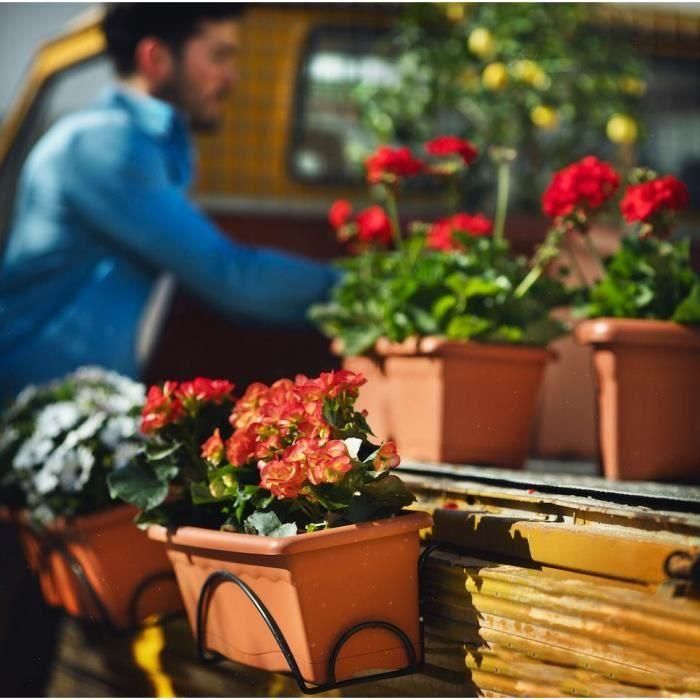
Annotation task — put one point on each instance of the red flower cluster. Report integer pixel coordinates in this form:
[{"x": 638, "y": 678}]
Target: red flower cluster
[
  {"x": 388, "y": 163},
  {"x": 441, "y": 233},
  {"x": 444, "y": 146},
  {"x": 169, "y": 404},
  {"x": 339, "y": 213},
  {"x": 371, "y": 225},
  {"x": 374, "y": 226},
  {"x": 283, "y": 430},
  {"x": 162, "y": 407},
  {"x": 663, "y": 194},
  {"x": 582, "y": 186}
]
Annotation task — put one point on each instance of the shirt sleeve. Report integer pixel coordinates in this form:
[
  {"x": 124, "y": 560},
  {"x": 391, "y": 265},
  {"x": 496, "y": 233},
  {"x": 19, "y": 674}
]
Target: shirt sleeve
[{"x": 116, "y": 182}]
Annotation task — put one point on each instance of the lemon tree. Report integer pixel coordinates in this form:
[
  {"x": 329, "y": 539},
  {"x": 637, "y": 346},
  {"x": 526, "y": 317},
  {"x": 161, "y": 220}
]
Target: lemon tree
[{"x": 538, "y": 77}]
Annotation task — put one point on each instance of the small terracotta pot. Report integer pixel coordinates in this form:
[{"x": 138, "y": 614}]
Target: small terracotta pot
[
  {"x": 373, "y": 394},
  {"x": 648, "y": 376},
  {"x": 463, "y": 402},
  {"x": 117, "y": 559},
  {"x": 316, "y": 586}
]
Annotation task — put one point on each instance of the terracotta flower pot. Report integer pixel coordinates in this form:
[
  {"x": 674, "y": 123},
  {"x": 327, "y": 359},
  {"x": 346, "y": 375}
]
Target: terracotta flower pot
[
  {"x": 648, "y": 376},
  {"x": 463, "y": 402},
  {"x": 315, "y": 585},
  {"x": 116, "y": 558},
  {"x": 372, "y": 398}
]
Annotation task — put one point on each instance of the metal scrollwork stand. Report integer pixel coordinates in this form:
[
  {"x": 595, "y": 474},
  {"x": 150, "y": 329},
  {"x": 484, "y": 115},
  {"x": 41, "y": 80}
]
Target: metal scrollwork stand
[{"x": 414, "y": 664}]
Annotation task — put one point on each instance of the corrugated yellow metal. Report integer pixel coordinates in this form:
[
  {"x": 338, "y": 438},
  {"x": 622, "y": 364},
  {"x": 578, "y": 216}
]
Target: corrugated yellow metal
[{"x": 555, "y": 594}]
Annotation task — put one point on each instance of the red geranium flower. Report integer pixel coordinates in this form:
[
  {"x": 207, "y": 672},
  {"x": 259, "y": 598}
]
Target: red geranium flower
[
  {"x": 452, "y": 145},
  {"x": 584, "y": 185},
  {"x": 441, "y": 233},
  {"x": 663, "y": 194},
  {"x": 374, "y": 226},
  {"x": 388, "y": 163},
  {"x": 339, "y": 213}
]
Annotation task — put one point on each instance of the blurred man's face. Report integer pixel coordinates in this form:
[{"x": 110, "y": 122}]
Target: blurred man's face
[{"x": 204, "y": 74}]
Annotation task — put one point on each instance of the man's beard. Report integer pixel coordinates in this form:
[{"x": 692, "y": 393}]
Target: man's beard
[{"x": 175, "y": 92}]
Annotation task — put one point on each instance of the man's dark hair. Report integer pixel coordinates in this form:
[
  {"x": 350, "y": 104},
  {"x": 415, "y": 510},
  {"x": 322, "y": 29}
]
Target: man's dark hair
[{"x": 125, "y": 24}]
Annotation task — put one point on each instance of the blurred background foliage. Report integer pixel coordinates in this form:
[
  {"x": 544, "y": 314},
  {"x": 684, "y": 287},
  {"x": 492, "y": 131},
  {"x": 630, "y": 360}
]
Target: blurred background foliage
[{"x": 537, "y": 77}]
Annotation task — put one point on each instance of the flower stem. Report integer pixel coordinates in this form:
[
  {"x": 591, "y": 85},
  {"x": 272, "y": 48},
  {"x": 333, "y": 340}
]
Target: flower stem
[
  {"x": 394, "y": 217},
  {"x": 503, "y": 185},
  {"x": 544, "y": 254}
]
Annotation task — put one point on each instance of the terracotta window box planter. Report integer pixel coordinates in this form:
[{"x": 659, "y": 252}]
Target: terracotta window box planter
[
  {"x": 101, "y": 567},
  {"x": 316, "y": 586},
  {"x": 461, "y": 402},
  {"x": 648, "y": 385}
]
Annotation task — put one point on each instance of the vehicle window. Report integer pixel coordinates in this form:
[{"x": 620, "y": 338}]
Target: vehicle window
[
  {"x": 672, "y": 119},
  {"x": 328, "y": 137},
  {"x": 65, "y": 92}
]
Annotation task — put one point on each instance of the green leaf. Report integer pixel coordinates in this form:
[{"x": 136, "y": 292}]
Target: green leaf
[
  {"x": 262, "y": 523},
  {"x": 285, "y": 530},
  {"x": 200, "y": 493},
  {"x": 137, "y": 485},
  {"x": 688, "y": 311},
  {"x": 165, "y": 471},
  {"x": 359, "y": 340},
  {"x": 443, "y": 305},
  {"x": 466, "y": 326},
  {"x": 389, "y": 490},
  {"x": 155, "y": 453}
]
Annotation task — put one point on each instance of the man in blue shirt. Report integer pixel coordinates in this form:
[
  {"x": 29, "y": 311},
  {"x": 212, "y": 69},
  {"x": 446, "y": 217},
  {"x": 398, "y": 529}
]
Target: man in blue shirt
[{"x": 102, "y": 223}]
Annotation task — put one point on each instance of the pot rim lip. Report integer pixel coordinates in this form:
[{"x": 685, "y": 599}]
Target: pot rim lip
[
  {"x": 190, "y": 537},
  {"x": 440, "y": 346},
  {"x": 636, "y": 331},
  {"x": 99, "y": 520}
]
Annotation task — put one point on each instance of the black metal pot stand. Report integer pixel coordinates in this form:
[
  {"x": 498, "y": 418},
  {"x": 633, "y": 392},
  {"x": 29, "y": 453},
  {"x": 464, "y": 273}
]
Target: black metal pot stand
[{"x": 219, "y": 577}]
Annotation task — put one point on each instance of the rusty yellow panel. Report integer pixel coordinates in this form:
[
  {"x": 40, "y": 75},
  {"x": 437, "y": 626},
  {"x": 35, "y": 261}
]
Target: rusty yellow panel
[
  {"x": 596, "y": 634},
  {"x": 559, "y": 679},
  {"x": 515, "y": 687},
  {"x": 85, "y": 42}
]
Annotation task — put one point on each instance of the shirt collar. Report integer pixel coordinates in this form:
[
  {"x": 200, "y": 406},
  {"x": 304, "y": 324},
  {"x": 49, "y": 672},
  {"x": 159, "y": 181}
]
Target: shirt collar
[{"x": 154, "y": 116}]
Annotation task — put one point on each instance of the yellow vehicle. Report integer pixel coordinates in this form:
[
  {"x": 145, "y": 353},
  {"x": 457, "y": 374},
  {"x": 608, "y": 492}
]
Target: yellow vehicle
[{"x": 551, "y": 585}]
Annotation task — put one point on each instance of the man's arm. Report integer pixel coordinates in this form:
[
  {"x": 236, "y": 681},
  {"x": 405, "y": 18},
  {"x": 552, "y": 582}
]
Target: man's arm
[{"x": 116, "y": 183}]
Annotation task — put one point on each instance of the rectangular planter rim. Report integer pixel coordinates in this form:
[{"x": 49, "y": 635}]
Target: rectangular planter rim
[{"x": 203, "y": 538}]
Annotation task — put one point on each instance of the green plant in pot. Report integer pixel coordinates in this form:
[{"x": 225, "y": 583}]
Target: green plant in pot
[
  {"x": 283, "y": 490},
  {"x": 644, "y": 315},
  {"x": 59, "y": 443},
  {"x": 452, "y": 326}
]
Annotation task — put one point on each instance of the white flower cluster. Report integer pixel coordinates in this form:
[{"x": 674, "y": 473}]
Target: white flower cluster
[{"x": 100, "y": 415}]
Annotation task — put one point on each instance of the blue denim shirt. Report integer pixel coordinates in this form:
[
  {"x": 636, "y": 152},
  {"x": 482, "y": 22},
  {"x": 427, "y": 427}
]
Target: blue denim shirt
[{"x": 101, "y": 213}]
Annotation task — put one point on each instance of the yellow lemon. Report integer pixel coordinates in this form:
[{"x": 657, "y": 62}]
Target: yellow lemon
[
  {"x": 494, "y": 76},
  {"x": 481, "y": 42},
  {"x": 632, "y": 86},
  {"x": 544, "y": 117},
  {"x": 529, "y": 72},
  {"x": 621, "y": 129},
  {"x": 454, "y": 11}
]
